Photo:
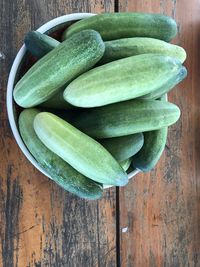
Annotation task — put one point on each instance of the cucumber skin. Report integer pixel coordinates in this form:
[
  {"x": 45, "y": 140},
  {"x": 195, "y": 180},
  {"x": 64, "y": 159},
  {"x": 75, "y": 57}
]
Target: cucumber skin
[
  {"x": 149, "y": 155},
  {"x": 123, "y": 147},
  {"x": 168, "y": 86},
  {"x": 58, "y": 67},
  {"x": 39, "y": 44},
  {"x": 127, "y": 47},
  {"x": 136, "y": 76},
  {"x": 126, "y": 163},
  {"x": 60, "y": 171},
  {"x": 127, "y": 118},
  {"x": 57, "y": 102},
  {"x": 154, "y": 145},
  {"x": 113, "y": 26},
  {"x": 81, "y": 151}
]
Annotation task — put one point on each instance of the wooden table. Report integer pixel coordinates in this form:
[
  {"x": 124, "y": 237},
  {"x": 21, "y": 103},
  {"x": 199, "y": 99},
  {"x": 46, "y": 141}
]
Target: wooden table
[{"x": 154, "y": 221}]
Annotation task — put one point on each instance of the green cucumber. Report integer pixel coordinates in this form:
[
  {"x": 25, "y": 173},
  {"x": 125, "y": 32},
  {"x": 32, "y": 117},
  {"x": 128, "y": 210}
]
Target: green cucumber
[
  {"x": 57, "y": 102},
  {"x": 65, "y": 62},
  {"x": 127, "y": 47},
  {"x": 113, "y": 26},
  {"x": 39, "y": 44},
  {"x": 125, "y": 118},
  {"x": 122, "y": 80},
  {"x": 154, "y": 145},
  {"x": 60, "y": 171},
  {"x": 126, "y": 163},
  {"x": 169, "y": 85},
  {"x": 123, "y": 147},
  {"x": 81, "y": 151}
]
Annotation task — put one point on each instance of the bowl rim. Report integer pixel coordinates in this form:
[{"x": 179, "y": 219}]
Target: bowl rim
[{"x": 10, "y": 86}]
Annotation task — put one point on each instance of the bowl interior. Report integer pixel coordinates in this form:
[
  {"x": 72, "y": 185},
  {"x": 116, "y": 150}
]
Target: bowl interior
[{"x": 23, "y": 61}]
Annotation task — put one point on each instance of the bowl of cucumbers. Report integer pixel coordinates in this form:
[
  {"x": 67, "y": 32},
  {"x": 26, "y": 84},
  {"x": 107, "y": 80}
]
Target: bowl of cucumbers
[{"x": 87, "y": 97}]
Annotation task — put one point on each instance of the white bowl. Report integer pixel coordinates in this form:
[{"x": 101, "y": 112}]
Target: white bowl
[{"x": 47, "y": 27}]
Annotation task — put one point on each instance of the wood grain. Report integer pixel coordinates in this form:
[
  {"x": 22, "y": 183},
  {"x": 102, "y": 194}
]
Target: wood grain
[
  {"x": 161, "y": 209},
  {"x": 154, "y": 221},
  {"x": 41, "y": 224}
]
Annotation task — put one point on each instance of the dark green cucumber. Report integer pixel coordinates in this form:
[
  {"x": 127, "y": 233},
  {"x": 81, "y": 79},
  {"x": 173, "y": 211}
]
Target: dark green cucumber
[
  {"x": 122, "y": 80},
  {"x": 65, "y": 62},
  {"x": 68, "y": 115},
  {"x": 169, "y": 85},
  {"x": 123, "y": 147},
  {"x": 113, "y": 26},
  {"x": 148, "y": 156},
  {"x": 126, "y": 163},
  {"x": 57, "y": 102},
  {"x": 127, "y": 47},
  {"x": 129, "y": 117},
  {"x": 39, "y": 44},
  {"x": 60, "y": 171},
  {"x": 81, "y": 151},
  {"x": 154, "y": 145}
]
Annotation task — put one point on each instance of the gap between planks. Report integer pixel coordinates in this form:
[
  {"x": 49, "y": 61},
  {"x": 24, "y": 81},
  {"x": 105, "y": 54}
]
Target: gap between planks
[{"x": 118, "y": 234}]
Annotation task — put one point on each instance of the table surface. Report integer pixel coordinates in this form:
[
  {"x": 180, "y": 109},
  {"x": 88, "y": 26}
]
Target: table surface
[{"x": 154, "y": 221}]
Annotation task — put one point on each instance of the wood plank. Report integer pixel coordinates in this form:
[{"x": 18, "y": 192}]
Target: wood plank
[
  {"x": 161, "y": 208},
  {"x": 40, "y": 224}
]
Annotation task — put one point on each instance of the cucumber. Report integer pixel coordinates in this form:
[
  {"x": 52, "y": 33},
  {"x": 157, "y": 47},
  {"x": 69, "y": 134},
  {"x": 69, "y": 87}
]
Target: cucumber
[
  {"x": 57, "y": 102},
  {"x": 39, "y": 44},
  {"x": 68, "y": 60},
  {"x": 81, "y": 151},
  {"x": 126, "y": 163},
  {"x": 60, "y": 171},
  {"x": 121, "y": 80},
  {"x": 123, "y": 147},
  {"x": 127, "y": 47},
  {"x": 149, "y": 155},
  {"x": 125, "y": 118},
  {"x": 154, "y": 145},
  {"x": 113, "y": 26},
  {"x": 169, "y": 85}
]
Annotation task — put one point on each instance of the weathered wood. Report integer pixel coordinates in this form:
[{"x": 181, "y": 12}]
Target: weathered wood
[
  {"x": 40, "y": 224},
  {"x": 161, "y": 209}
]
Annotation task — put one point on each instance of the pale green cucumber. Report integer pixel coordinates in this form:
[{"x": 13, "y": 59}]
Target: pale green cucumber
[
  {"x": 57, "y": 102},
  {"x": 113, "y": 26},
  {"x": 39, "y": 44},
  {"x": 123, "y": 147},
  {"x": 122, "y": 80},
  {"x": 169, "y": 85},
  {"x": 60, "y": 171},
  {"x": 68, "y": 60},
  {"x": 129, "y": 117},
  {"x": 127, "y": 47},
  {"x": 81, "y": 151},
  {"x": 126, "y": 163}
]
